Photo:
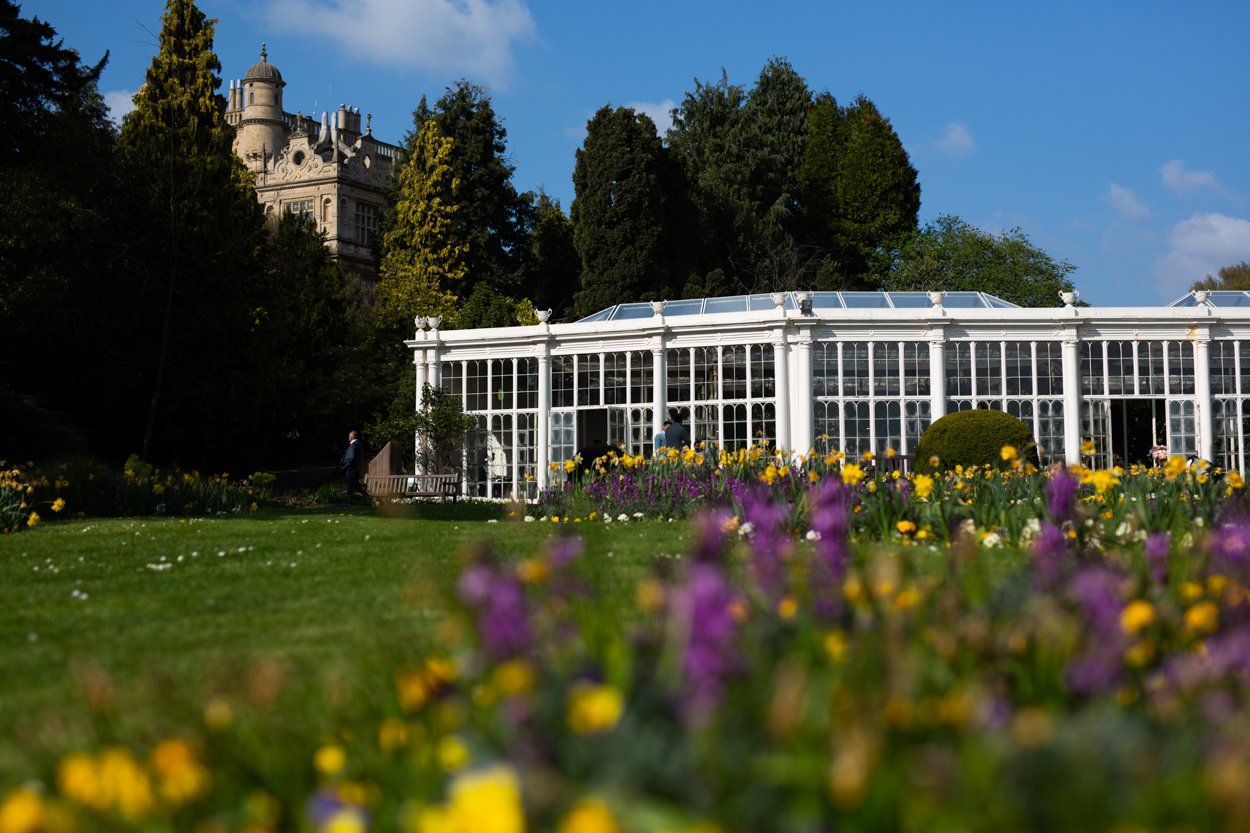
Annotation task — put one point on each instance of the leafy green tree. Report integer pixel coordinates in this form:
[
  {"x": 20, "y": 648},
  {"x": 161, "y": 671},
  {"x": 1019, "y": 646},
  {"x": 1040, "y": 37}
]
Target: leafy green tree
[
  {"x": 493, "y": 215},
  {"x": 552, "y": 254},
  {"x": 440, "y": 427},
  {"x": 424, "y": 268},
  {"x": 951, "y": 255},
  {"x": 859, "y": 187},
  {"x": 1236, "y": 276},
  {"x": 618, "y": 211},
  {"x": 206, "y": 233},
  {"x": 777, "y": 110}
]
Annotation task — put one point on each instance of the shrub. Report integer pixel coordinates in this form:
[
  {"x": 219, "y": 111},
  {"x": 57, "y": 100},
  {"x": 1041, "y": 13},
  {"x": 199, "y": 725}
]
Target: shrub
[{"x": 973, "y": 438}]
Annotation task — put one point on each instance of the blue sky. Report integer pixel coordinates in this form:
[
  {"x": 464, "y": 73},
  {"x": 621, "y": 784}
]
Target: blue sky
[{"x": 1115, "y": 134}]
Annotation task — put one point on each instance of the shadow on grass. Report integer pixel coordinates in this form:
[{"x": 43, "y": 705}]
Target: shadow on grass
[{"x": 419, "y": 510}]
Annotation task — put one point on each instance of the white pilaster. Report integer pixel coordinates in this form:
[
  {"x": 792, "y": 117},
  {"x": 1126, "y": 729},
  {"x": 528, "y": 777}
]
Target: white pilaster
[
  {"x": 658, "y": 386},
  {"x": 802, "y": 424},
  {"x": 543, "y": 428},
  {"x": 1202, "y": 391},
  {"x": 1071, "y": 397},
  {"x": 937, "y": 375},
  {"x": 782, "y": 390}
]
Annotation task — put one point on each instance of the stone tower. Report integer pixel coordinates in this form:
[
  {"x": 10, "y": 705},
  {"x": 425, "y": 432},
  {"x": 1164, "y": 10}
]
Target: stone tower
[
  {"x": 333, "y": 172},
  {"x": 262, "y": 129}
]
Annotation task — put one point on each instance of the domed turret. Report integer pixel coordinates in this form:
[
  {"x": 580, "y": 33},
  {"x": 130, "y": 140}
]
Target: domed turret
[{"x": 262, "y": 130}]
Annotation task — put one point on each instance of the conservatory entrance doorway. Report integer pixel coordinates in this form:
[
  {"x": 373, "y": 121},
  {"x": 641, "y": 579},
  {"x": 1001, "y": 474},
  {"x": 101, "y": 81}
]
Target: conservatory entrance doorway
[{"x": 1137, "y": 425}]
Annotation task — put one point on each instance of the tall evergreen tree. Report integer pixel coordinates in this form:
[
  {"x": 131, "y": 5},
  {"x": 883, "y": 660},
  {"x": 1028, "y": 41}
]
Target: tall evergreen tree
[
  {"x": 552, "y": 255},
  {"x": 206, "y": 234},
  {"x": 424, "y": 268},
  {"x": 493, "y": 214},
  {"x": 777, "y": 109},
  {"x": 875, "y": 189},
  {"x": 618, "y": 211}
]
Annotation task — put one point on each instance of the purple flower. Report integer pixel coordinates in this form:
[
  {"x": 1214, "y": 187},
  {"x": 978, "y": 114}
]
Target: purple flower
[
  {"x": 1061, "y": 496},
  {"x": 770, "y": 542},
  {"x": 1229, "y": 546},
  {"x": 711, "y": 536},
  {"x": 1158, "y": 546},
  {"x": 1050, "y": 554},
  {"x": 498, "y": 600},
  {"x": 706, "y": 629},
  {"x": 831, "y": 523}
]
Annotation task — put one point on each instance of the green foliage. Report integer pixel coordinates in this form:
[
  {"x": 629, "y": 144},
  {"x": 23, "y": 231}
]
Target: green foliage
[
  {"x": 973, "y": 438},
  {"x": 949, "y": 254},
  {"x": 440, "y": 425},
  {"x": 552, "y": 254},
  {"x": 201, "y": 283},
  {"x": 492, "y": 215},
  {"x": 1236, "y": 276},
  {"x": 33, "y": 432},
  {"x": 618, "y": 211},
  {"x": 424, "y": 268}
]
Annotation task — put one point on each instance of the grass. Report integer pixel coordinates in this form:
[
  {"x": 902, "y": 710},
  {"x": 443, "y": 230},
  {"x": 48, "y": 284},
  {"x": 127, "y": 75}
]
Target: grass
[{"x": 142, "y": 608}]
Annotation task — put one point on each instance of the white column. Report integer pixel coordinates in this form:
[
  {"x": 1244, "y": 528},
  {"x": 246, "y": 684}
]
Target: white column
[
  {"x": 937, "y": 377},
  {"x": 658, "y": 387},
  {"x": 543, "y": 428},
  {"x": 1071, "y": 398},
  {"x": 782, "y": 390},
  {"x": 802, "y": 425},
  {"x": 418, "y": 359},
  {"x": 1202, "y": 390}
]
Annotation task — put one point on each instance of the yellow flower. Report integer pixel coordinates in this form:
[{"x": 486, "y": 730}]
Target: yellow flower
[
  {"x": 453, "y": 755},
  {"x": 1235, "y": 480},
  {"x": 594, "y": 708},
  {"x": 852, "y": 474},
  {"x": 1202, "y": 618},
  {"x": 1087, "y": 448},
  {"x": 924, "y": 485},
  {"x": 59, "y": 504},
  {"x": 182, "y": 777},
  {"x": 1104, "y": 479},
  {"x": 330, "y": 760},
  {"x": 21, "y": 812},
  {"x": 905, "y": 527},
  {"x": 486, "y": 801},
  {"x": 589, "y": 816},
  {"x": 1175, "y": 466},
  {"x": 33, "y": 520},
  {"x": 835, "y": 646},
  {"x": 787, "y": 608},
  {"x": 1136, "y": 615},
  {"x": 514, "y": 677},
  {"x": 531, "y": 570},
  {"x": 1008, "y": 452}
]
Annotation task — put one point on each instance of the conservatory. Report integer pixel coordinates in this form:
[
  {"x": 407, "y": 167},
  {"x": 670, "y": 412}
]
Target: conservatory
[{"x": 851, "y": 371}]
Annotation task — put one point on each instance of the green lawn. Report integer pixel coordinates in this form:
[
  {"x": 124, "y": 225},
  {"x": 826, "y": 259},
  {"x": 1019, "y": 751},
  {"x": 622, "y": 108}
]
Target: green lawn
[{"x": 157, "y": 607}]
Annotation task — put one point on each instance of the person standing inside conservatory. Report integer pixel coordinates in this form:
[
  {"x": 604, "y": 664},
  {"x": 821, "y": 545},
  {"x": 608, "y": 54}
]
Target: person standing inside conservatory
[
  {"x": 661, "y": 438},
  {"x": 675, "y": 433}
]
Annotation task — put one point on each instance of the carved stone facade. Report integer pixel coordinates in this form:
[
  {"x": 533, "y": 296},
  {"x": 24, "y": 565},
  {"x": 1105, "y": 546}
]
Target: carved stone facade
[{"x": 333, "y": 171}]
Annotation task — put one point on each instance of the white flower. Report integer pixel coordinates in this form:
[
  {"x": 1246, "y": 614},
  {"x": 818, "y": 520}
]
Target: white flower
[
  {"x": 1123, "y": 530},
  {"x": 623, "y": 518},
  {"x": 746, "y": 529},
  {"x": 991, "y": 540},
  {"x": 529, "y": 519},
  {"x": 638, "y": 515},
  {"x": 812, "y": 535}
]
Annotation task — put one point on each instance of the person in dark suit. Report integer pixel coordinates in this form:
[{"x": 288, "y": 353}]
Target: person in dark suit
[
  {"x": 677, "y": 435},
  {"x": 352, "y": 462}
]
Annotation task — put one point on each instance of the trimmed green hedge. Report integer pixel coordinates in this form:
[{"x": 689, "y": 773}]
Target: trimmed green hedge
[{"x": 973, "y": 438}]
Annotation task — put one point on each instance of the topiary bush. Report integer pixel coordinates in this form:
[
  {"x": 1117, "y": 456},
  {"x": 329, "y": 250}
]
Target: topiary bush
[{"x": 973, "y": 438}]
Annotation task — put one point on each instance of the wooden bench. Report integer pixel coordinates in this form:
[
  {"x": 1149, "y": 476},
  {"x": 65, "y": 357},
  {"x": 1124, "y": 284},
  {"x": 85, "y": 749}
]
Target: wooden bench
[{"x": 441, "y": 486}]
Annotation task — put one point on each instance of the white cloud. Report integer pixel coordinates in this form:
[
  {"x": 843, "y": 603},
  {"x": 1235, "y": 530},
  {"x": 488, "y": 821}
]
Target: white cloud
[
  {"x": 1199, "y": 246},
  {"x": 1126, "y": 203},
  {"x": 472, "y": 37},
  {"x": 957, "y": 142},
  {"x": 661, "y": 112},
  {"x": 1183, "y": 181},
  {"x": 120, "y": 102}
]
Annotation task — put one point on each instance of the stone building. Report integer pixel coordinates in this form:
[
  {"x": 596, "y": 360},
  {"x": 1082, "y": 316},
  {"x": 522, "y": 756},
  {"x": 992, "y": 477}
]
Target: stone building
[{"x": 333, "y": 170}]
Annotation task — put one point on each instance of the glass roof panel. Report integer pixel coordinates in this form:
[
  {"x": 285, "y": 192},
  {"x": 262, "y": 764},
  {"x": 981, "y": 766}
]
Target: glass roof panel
[
  {"x": 865, "y": 300},
  {"x": 825, "y": 300},
  {"x": 964, "y": 300},
  {"x": 601, "y": 315},
  {"x": 690, "y": 306},
  {"x": 909, "y": 300},
  {"x": 1186, "y": 301},
  {"x": 629, "y": 312},
  {"x": 730, "y": 303},
  {"x": 1229, "y": 298},
  {"x": 997, "y": 303}
]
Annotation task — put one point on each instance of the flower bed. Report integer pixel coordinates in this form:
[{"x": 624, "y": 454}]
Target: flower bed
[{"x": 812, "y": 663}]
